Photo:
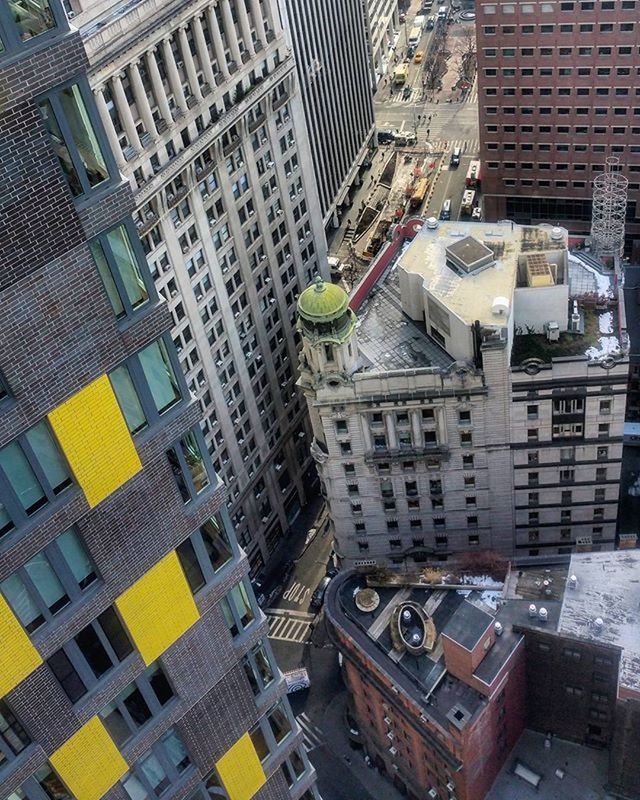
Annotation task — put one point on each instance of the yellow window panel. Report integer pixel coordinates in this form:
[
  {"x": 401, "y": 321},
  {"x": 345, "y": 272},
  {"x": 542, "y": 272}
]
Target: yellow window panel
[
  {"x": 158, "y": 608},
  {"x": 18, "y": 657},
  {"x": 95, "y": 439},
  {"x": 240, "y": 770},
  {"x": 89, "y": 763}
]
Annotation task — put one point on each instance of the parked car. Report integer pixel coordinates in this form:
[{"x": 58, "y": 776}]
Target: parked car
[
  {"x": 431, "y": 23},
  {"x": 406, "y": 92},
  {"x": 318, "y": 596},
  {"x": 385, "y": 137}
]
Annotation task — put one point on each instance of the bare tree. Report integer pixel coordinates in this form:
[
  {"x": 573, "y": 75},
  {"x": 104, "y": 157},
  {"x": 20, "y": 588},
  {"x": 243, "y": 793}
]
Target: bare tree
[
  {"x": 436, "y": 61},
  {"x": 465, "y": 51}
]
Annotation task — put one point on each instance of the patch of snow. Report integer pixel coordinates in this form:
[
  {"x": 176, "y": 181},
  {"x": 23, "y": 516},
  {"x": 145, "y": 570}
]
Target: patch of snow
[
  {"x": 608, "y": 345},
  {"x": 605, "y": 322},
  {"x": 603, "y": 282},
  {"x": 490, "y": 598},
  {"x": 480, "y": 580}
]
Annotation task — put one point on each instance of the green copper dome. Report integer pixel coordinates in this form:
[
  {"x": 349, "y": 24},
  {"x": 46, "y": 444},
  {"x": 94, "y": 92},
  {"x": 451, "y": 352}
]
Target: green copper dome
[
  {"x": 324, "y": 313},
  {"x": 322, "y": 302}
]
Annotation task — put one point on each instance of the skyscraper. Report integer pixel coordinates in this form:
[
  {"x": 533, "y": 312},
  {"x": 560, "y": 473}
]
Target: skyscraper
[
  {"x": 557, "y": 88},
  {"x": 133, "y": 659},
  {"x": 330, "y": 46},
  {"x": 201, "y": 105}
]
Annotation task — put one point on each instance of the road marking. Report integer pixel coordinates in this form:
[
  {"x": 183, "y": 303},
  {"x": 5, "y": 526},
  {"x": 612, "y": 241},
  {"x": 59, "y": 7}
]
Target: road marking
[
  {"x": 287, "y": 626},
  {"x": 296, "y": 593},
  {"x": 312, "y": 736}
]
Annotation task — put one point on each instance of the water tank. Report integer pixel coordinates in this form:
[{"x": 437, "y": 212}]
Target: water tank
[
  {"x": 533, "y": 611},
  {"x": 416, "y": 638},
  {"x": 432, "y": 223},
  {"x": 573, "y": 582},
  {"x": 500, "y": 306},
  {"x": 543, "y": 614},
  {"x": 557, "y": 234},
  {"x": 406, "y": 615},
  {"x": 498, "y": 628}
]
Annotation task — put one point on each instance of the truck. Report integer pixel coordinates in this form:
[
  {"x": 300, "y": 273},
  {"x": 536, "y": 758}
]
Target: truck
[
  {"x": 400, "y": 74},
  {"x": 415, "y": 34},
  {"x": 472, "y": 181},
  {"x": 468, "y": 201},
  {"x": 419, "y": 192},
  {"x": 420, "y": 21}
]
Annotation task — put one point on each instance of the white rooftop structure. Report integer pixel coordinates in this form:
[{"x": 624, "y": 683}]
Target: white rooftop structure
[{"x": 608, "y": 589}]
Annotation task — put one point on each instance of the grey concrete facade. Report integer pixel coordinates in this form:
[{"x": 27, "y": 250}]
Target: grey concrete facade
[
  {"x": 202, "y": 107},
  {"x": 59, "y": 333}
]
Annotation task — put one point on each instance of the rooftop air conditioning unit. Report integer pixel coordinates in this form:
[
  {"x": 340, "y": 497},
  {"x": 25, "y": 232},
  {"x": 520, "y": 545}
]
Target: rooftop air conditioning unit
[{"x": 553, "y": 331}]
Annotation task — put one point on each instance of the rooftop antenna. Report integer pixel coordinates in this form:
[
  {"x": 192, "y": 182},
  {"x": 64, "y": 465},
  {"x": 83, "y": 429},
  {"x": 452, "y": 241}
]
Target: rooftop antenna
[{"x": 609, "y": 210}]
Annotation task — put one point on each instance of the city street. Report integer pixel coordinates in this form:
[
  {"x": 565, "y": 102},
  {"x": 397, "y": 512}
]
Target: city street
[{"x": 298, "y": 638}]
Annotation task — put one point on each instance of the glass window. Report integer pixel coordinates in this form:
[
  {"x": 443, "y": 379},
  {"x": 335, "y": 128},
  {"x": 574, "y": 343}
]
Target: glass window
[
  {"x": 160, "y": 376},
  {"x": 294, "y": 767},
  {"x": 49, "y": 581},
  {"x": 51, "y": 784},
  {"x": 205, "y": 552},
  {"x": 237, "y": 609},
  {"x": 74, "y": 139},
  {"x": 158, "y": 769},
  {"x": 31, "y": 17},
  {"x": 13, "y": 737},
  {"x": 188, "y": 466},
  {"x": 137, "y": 704},
  {"x": 279, "y": 722},
  {"x": 258, "y": 669},
  {"x": 128, "y": 399},
  {"x": 91, "y": 654},
  {"x": 120, "y": 271},
  {"x": 34, "y": 472}
]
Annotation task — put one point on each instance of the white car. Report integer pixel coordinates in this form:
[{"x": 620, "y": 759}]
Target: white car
[{"x": 476, "y": 214}]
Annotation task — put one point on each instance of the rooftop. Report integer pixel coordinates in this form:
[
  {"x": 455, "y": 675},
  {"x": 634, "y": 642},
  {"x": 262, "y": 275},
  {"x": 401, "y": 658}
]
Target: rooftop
[
  {"x": 608, "y": 590},
  {"x": 598, "y": 327},
  {"x": 388, "y": 338},
  {"x": 568, "y": 771},
  {"x": 470, "y": 292},
  {"x": 423, "y": 677}
]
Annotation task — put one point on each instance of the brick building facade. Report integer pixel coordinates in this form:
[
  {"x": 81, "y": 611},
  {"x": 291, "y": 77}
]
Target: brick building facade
[
  {"x": 557, "y": 88},
  {"x": 134, "y": 659}
]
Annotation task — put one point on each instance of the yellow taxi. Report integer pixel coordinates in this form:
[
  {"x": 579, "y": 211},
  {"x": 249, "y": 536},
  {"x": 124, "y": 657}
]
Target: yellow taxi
[{"x": 417, "y": 59}]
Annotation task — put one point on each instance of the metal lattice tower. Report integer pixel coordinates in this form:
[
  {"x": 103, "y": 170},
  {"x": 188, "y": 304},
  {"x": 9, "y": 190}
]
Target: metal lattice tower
[{"x": 609, "y": 210}]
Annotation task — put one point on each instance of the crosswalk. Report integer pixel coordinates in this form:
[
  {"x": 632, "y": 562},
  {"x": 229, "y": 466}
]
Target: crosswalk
[
  {"x": 467, "y": 146},
  {"x": 289, "y": 626},
  {"x": 312, "y": 736}
]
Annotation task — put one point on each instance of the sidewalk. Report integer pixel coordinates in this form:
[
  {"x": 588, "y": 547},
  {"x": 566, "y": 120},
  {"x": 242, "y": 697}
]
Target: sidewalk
[{"x": 334, "y": 726}]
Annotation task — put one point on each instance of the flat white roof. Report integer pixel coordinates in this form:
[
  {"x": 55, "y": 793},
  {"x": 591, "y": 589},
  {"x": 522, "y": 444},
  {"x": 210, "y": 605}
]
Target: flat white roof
[
  {"x": 608, "y": 589},
  {"x": 471, "y": 296}
]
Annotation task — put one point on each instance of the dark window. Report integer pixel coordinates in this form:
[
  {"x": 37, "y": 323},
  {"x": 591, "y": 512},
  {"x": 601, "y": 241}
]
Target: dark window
[
  {"x": 91, "y": 654},
  {"x": 13, "y": 737},
  {"x": 205, "y": 552},
  {"x": 137, "y": 704},
  {"x": 237, "y": 609},
  {"x": 188, "y": 466}
]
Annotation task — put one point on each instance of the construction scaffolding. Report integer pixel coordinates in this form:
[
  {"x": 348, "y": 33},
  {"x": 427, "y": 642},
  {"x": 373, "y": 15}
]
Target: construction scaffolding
[{"x": 609, "y": 210}]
